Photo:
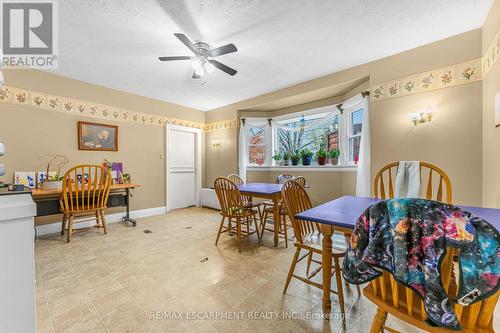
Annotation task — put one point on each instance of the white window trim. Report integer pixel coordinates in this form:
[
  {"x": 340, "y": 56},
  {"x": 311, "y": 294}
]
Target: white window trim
[{"x": 345, "y": 165}]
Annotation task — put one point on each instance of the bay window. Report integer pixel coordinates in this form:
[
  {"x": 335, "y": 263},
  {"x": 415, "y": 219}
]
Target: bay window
[{"x": 325, "y": 128}]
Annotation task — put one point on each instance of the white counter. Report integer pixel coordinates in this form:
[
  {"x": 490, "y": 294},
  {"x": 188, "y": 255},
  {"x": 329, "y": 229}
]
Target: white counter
[{"x": 17, "y": 263}]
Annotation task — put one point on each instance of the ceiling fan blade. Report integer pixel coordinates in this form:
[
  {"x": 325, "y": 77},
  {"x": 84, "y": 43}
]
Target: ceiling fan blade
[
  {"x": 229, "y": 48},
  {"x": 196, "y": 76},
  {"x": 183, "y": 38},
  {"x": 175, "y": 58},
  {"x": 223, "y": 67}
]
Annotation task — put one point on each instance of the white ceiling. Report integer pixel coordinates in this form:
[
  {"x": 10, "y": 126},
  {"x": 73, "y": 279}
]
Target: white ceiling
[{"x": 116, "y": 43}]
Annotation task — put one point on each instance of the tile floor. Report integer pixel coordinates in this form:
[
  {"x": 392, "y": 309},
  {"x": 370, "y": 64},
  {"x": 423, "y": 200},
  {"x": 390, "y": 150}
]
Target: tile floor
[{"x": 131, "y": 281}]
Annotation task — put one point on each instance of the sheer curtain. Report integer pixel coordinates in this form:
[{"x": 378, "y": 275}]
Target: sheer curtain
[
  {"x": 242, "y": 143},
  {"x": 363, "y": 178}
]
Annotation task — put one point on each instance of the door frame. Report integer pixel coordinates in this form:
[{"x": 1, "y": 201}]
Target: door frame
[{"x": 198, "y": 160}]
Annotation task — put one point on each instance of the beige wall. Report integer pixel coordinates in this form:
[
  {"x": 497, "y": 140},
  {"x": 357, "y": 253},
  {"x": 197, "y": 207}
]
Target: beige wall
[
  {"x": 491, "y": 135},
  {"x": 453, "y": 140},
  {"x": 30, "y": 135}
]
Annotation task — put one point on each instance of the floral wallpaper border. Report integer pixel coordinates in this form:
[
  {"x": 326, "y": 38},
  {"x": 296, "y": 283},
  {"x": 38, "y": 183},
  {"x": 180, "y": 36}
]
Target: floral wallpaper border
[
  {"x": 221, "y": 125},
  {"x": 449, "y": 76},
  {"x": 492, "y": 54},
  {"x": 444, "y": 77},
  {"x": 38, "y": 100}
]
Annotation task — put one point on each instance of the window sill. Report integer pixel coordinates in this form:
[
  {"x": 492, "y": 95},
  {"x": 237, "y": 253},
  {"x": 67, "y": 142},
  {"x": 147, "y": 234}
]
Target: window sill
[{"x": 315, "y": 168}]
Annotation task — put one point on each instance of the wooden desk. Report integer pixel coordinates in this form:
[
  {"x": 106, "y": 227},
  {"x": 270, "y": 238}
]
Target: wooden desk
[{"x": 47, "y": 201}]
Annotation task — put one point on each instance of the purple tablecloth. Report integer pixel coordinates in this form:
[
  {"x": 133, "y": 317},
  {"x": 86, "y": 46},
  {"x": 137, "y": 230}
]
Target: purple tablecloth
[
  {"x": 344, "y": 211},
  {"x": 260, "y": 188}
]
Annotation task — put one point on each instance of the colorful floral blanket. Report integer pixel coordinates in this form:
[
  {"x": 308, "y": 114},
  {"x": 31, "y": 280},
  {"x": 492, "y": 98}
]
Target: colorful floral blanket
[{"x": 409, "y": 237}]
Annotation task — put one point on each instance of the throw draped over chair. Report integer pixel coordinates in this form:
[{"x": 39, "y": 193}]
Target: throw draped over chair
[
  {"x": 402, "y": 302},
  {"x": 85, "y": 192},
  {"x": 308, "y": 238},
  {"x": 233, "y": 208}
]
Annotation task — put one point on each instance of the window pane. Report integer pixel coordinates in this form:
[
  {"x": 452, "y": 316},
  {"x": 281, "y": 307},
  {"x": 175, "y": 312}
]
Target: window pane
[
  {"x": 255, "y": 136},
  {"x": 356, "y": 122},
  {"x": 315, "y": 135},
  {"x": 354, "y": 149},
  {"x": 256, "y": 155}
]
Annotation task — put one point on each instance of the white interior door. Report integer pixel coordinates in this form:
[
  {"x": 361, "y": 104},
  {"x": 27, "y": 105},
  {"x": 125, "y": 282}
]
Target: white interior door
[{"x": 183, "y": 168}]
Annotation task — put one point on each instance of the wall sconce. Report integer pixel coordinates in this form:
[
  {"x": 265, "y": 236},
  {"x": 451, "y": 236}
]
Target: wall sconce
[
  {"x": 216, "y": 143},
  {"x": 422, "y": 116}
]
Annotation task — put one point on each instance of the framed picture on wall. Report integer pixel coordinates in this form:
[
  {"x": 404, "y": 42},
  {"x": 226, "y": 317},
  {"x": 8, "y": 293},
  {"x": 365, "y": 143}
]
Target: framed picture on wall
[
  {"x": 497, "y": 109},
  {"x": 97, "y": 137}
]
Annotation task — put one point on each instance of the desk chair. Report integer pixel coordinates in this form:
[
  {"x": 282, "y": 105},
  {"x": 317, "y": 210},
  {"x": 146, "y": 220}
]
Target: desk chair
[{"x": 85, "y": 192}]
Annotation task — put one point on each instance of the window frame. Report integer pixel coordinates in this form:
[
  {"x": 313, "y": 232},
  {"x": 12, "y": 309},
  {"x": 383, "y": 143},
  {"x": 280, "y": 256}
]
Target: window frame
[
  {"x": 348, "y": 135},
  {"x": 271, "y": 142}
]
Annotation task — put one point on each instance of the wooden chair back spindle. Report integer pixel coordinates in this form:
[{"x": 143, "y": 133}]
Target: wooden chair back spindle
[
  {"x": 428, "y": 172},
  {"x": 296, "y": 201},
  {"x": 229, "y": 196},
  {"x": 85, "y": 188}
]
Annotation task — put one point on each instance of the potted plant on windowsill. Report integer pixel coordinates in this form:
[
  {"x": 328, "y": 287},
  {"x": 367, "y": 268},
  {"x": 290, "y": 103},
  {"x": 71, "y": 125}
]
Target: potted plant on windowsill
[
  {"x": 295, "y": 158},
  {"x": 321, "y": 155},
  {"x": 286, "y": 159},
  {"x": 334, "y": 156},
  {"x": 306, "y": 155},
  {"x": 278, "y": 157}
]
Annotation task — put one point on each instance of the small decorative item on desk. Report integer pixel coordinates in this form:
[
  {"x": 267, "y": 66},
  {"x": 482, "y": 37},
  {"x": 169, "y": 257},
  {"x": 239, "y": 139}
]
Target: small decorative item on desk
[
  {"x": 321, "y": 155},
  {"x": 52, "y": 183},
  {"x": 278, "y": 158},
  {"x": 52, "y": 180},
  {"x": 306, "y": 155},
  {"x": 334, "y": 156},
  {"x": 2, "y": 167},
  {"x": 115, "y": 169},
  {"x": 24, "y": 178},
  {"x": 126, "y": 178}
]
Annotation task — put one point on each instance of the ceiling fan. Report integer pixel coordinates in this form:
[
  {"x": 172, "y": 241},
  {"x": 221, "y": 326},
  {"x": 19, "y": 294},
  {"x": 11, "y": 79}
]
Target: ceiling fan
[{"x": 202, "y": 60}]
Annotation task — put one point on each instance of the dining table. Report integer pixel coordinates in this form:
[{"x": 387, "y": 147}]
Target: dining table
[
  {"x": 269, "y": 191},
  {"x": 341, "y": 215}
]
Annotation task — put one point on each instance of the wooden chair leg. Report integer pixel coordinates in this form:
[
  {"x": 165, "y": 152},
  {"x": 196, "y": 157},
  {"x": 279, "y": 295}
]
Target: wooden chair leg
[
  {"x": 220, "y": 229},
  {"x": 378, "y": 321},
  {"x": 292, "y": 269},
  {"x": 248, "y": 224},
  {"x": 103, "y": 221},
  {"x": 63, "y": 224},
  {"x": 309, "y": 261},
  {"x": 340, "y": 290},
  {"x": 238, "y": 228},
  {"x": 70, "y": 227},
  {"x": 263, "y": 221},
  {"x": 285, "y": 231},
  {"x": 257, "y": 227},
  {"x": 98, "y": 222}
]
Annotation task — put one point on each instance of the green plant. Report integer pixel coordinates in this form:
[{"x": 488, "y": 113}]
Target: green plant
[
  {"x": 306, "y": 153},
  {"x": 321, "y": 153},
  {"x": 55, "y": 178},
  {"x": 334, "y": 153},
  {"x": 286, "y": 156},
  {"x": 278, "y": 157}
]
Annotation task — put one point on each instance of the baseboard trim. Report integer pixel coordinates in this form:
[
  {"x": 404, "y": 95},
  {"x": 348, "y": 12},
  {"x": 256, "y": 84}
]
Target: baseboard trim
[{"x": 54, "y": 228}]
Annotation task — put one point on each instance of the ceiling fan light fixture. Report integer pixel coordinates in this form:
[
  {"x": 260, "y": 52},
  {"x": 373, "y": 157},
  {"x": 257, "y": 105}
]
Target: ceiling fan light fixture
[
  {"x": 209, "y": 67},
  {"x": 199, "y": 71},
  {"x": 196, "y": 63}
]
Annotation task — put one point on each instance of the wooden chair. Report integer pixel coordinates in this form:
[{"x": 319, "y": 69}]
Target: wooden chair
[
  {"x": 247, "y": 200},
  {"x": 233, "y": 208},
  {"x": 435, "y": 176},
  {"x": 85, "y": 191},
  {"x": 403, "y": 303},
  {"x": 308, "y": 237},
  {"x": 269, "y": 209}
]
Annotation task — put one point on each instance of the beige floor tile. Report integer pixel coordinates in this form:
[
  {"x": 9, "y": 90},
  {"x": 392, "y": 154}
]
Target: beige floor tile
[
  {"x": 82, "y": 318},
  {"x": 129, "y": 281}
]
